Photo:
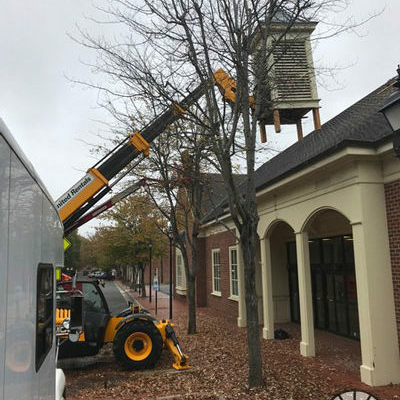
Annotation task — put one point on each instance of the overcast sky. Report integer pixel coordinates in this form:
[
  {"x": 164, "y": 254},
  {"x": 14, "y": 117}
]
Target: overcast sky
[{"x": 50, "y": 117}]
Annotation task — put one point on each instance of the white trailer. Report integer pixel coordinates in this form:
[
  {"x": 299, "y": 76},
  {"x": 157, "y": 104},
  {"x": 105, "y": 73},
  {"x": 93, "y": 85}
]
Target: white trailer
[{"x": 31, "y": 246}]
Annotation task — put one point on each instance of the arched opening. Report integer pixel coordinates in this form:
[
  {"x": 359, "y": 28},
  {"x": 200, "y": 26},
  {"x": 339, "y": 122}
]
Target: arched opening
[
  {"x": 334, "y": 291},
  {"x": 283, "y": 251}
]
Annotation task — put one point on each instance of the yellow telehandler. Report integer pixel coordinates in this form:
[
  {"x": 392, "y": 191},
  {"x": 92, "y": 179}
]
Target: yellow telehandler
[{"x": 138, "y": 339}]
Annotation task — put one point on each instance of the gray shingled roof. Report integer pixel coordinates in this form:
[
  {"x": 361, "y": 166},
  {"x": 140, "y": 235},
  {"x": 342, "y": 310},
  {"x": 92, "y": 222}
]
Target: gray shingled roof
[
  {"x": 214, "y": 190},
  {"x": 361, "y": 124}
]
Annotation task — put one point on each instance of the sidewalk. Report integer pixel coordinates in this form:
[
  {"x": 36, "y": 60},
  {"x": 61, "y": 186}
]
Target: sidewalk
[{"x": 179, "y": 307}]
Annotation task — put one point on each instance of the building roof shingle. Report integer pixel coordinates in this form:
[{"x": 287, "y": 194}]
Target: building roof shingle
[{"x": 361, "y": 124}]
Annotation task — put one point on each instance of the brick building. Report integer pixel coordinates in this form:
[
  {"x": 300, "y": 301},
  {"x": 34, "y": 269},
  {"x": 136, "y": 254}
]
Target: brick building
[{"x": 329, "y": 230}]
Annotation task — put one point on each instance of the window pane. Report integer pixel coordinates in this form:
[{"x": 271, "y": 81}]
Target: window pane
[
  {"x": 216, "y": 271},
  {"x": 234, "y": 273},
  {"x": 179, "y": 271},
  {"x": 341, "y": 313},
  {"x": 353, "y": 321},
  {"x": 234, "y": 256},
  {"x": 333, "y": 250},
  {"x": 178, "y": 275},
  {"x": 327, "y": 251},
  {"x": 292, "y": 253},
  {"x": 348, "y": 250},
  {"x": 216, "y": 257},
  {"x": 44, "y": 312},
  {"x": 93, "y": 301},
  {"x": 315, "y": 251},
  {"x": 235, "y": 288}
]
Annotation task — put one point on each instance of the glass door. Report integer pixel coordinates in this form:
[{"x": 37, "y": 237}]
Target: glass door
[
  {"x": 319, "y": 299},
  {"x": 334, "y": 288}
]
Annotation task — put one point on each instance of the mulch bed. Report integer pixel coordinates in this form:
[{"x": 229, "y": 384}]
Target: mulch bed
[{"x": 218, "y": 354}]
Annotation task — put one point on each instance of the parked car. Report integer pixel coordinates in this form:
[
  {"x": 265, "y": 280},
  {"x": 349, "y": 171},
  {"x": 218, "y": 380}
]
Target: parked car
[
  {"x": 109, "y": 276},
  {"x": 94, "y": 274}
]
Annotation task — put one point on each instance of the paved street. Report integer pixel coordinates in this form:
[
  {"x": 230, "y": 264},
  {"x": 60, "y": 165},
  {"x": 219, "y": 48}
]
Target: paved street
[{"x": 117, "y": 301}]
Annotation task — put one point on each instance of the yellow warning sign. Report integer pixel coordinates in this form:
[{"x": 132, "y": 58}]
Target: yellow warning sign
[{"x": 67, "y": 244}]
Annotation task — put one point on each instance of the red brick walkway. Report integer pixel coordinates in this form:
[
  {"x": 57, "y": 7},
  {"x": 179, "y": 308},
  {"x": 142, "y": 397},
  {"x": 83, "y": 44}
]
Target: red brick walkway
[{"x": 178, "y": 307}]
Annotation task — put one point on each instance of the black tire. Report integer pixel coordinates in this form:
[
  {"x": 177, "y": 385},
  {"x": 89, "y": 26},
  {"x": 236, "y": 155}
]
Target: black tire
[{"x": 144, "y": 342}]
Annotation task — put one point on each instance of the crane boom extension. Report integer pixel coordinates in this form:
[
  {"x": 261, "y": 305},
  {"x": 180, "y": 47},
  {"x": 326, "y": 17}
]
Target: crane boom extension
[
  {"x": 94, "y": 185},
  {"x": 105, "y": 206}
]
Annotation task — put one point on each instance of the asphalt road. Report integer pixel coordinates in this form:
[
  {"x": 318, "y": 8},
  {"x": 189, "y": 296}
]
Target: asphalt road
[{"x": 115, "y": 300}]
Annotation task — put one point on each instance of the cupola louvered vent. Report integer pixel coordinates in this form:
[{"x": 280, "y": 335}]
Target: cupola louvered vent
[{"x": 291, "y": 71}]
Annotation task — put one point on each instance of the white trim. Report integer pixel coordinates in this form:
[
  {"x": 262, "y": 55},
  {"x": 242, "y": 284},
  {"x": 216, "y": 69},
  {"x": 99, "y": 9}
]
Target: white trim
[
  {"x": 214, "y": 227},
  {"x": 213, "y": 291},
  {"x": 226, "y": 214},
  {"x": 350, "y": 153},
  {"x": 181, "y": 291},
  {"x": 233, "y": 296}
]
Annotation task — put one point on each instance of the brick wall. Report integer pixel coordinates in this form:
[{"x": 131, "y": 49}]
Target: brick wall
[
  {"x": 392, "y": 194},
  {"x": 222, "y": 305},
  {"x": 162, "y": 263},
  {"x": 201, "y": 298},
  {"x": 201, "y": 280}
]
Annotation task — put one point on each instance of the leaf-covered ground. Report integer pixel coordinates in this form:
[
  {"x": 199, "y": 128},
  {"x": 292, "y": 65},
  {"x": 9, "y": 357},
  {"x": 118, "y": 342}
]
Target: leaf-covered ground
[{"x": 218, "y": 354}]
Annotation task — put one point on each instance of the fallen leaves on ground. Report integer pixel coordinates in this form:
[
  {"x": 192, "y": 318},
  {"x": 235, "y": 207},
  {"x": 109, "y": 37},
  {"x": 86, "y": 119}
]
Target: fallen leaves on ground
[{"x": 218, "y": 355}]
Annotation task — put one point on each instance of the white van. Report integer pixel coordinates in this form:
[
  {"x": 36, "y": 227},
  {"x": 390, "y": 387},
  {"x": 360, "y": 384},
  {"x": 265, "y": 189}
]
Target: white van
[{"x": 31, "y": 246}]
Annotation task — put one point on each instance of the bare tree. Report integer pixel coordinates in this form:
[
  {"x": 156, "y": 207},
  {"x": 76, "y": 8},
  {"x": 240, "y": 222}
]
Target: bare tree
[
  {"x": 173, "y": 45},
  {"x": 178, "y": 162}
]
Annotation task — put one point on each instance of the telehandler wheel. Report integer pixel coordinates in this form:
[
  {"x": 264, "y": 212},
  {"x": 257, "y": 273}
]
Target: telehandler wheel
[{"x": 138, "y": 345}]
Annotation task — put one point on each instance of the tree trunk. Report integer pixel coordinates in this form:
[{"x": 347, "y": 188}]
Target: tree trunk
[
  {"x": 191, "y": 289},
  {"x": 248, "y": 240},
  {"x": 142, "y": 284},
  {"x": 191, "y": 282}
]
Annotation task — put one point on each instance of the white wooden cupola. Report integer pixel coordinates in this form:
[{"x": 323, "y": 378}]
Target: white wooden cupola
[{"x": 286, "y": 70}]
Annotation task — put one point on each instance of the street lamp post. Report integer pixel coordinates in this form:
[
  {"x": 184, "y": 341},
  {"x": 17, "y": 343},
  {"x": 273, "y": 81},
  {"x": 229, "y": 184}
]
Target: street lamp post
[
  {"x": 170, "y": 272},
  {"x": 150, "y": 256},
  {"x": 143, "y": 285}
]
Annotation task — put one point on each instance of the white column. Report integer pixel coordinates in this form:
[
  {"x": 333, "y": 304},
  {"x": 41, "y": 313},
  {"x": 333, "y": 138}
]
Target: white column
[
  {"x": 307, "y": 344},
  {"x": 266, "y": 271},
  {"x": 242, "y": 319},
  {"x": 378, "y": 332}
]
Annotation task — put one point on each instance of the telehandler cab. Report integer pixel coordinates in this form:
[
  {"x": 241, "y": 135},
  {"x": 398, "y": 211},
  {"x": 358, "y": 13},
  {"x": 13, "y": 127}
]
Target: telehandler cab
[{"x": 138, "y": 339}]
